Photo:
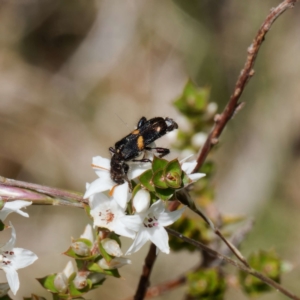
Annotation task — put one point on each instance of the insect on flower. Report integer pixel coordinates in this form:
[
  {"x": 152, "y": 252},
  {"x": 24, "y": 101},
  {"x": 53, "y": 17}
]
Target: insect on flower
[{"x": 137, "y": 142}]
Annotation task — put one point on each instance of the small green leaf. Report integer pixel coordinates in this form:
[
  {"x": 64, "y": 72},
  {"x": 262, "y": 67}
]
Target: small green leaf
[
  {"x": 193, "y": 100},
  {"x": 206, "y": 284},
  {"x": 164, "y": 194},
  {"x": 94, "y": 267},
  {"x": 2, "y": 226},
  {"x": 158, "y": 163},
  {"x": 173, "y": 180},
  {"x": 266, "y": 262},
  {"x": 70, "y": 252},
  {"x": 145, "y": 180},
  {"x": 185, "y": 179},
  {"x": 173, "y": 166},
  {"x": 74, "y": 292},
  {"x": 159, "y": 180},
  {"x": 48, "y": 283}
]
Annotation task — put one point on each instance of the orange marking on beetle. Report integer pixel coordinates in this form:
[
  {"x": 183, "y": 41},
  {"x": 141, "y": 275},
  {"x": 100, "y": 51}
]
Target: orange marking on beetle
[
  {"x": 158, "y": 129},
  {"x": 137, "y": 131},
  {"x": 140, "y": 142},
  {"x": 98, "y": 167}
]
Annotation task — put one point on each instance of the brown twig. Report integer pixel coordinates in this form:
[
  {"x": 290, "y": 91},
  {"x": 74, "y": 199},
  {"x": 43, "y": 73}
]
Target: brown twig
[
  {"x": 245, "y": 75},
  {"x": 144, "y": 279},
  {"x": 11, "y": 189},
  {"x": 164, "y": 287},
  {"x": 236, "y": 264}
]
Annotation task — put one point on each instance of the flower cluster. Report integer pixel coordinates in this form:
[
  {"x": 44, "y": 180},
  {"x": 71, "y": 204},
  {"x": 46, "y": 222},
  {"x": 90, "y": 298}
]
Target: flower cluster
[
  {"x": 140, "y": 214},
  {"x": 11, "y": 258}
]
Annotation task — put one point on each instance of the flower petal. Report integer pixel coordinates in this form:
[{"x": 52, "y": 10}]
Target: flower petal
[
  {"x": 188, "y": 167},
  {"x": 101, "y": 163},
  {"x": 14, "y": 206},
  {"x": 97, "y": 186},
  {"x": 141, "y": 238},
  {"x": 11, "y": 243},
  {"x": 194, "y": 177},
  {"x": 22, "y": 258},
  {"x": 168, "y": 218},
  {"x": 133, "y": 222},
  {"x": 12, "y": 278},
  {"x": 160, "y": 238}
]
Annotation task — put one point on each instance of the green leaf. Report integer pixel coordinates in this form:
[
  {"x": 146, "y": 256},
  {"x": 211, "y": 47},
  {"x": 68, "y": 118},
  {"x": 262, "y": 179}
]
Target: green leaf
[
  {"x": 193, "y": 100},
  {"x": 206, "y": 284},
  {"x": 136, "y": 189},
  {"x": 172, "y": 174},
  {"x": 94, "y": 267},
  {"x": 173, "y": 180},
  {"x": 159, "y": 180},
  {"x": 173, "y": 166},
  {"x": 48, "y": 283},
  {"x": 2, "y": 226},
  {"x": 164, "y": 194},
  {"x": 70, "y": 252},
  {"x": 74, "y": 292},
  {"x": 145, "y": 180},
  {"x": 158, "y": 163},
  {"x": 266, "y": 262},
  {"x": 185, "y": 179}
]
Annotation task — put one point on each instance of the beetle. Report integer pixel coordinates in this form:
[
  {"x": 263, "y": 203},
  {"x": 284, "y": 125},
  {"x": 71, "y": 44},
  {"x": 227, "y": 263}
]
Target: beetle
[{"x": 136, "y": 142}]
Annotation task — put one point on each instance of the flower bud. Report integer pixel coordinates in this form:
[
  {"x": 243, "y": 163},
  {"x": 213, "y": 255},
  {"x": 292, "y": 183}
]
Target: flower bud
[
  {"x": 80, "y": 281},
  {"x": 115, "y": 263},
  {"x": 141, "y": 201},
  {"x": 112, "y": 247},
  {"x": 61, "y": 282},
  {"x": 81, "y": 248}
]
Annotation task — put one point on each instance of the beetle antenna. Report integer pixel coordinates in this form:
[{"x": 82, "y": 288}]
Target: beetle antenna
[{"x": 122, "y": 120}]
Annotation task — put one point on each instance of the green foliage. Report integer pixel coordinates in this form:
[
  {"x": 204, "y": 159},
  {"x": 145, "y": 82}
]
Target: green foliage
[
  {"x": 193, "y": 100},
  {"x": 266, "y": 262},
  {"x": 48, "y": 283},
  {"x": 206, "y": 284}
]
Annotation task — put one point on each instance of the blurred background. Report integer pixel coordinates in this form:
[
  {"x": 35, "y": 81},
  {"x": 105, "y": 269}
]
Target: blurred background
[{"x": 76, "y": 76}]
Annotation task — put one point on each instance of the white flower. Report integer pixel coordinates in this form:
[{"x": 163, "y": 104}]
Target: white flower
[
  {"x": 104, "y": 183},
  {"x": 108, "y": 214},
  {"x": 115, "y": 263},
  {"x": 14, "y": 206},
  {"x": 188, "y": 168},
  {"x": 12, "y": 259},
  {"x": 150, "y": 226}
]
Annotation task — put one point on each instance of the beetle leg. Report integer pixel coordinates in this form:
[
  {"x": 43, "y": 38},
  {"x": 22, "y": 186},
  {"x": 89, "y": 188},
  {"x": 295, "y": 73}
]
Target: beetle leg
[
  {"x": 162, "y": 151},
  {"x": 143, "y": 160},
  {"x": 126, "y": 169}
]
